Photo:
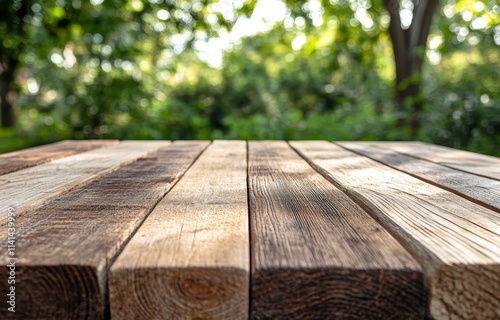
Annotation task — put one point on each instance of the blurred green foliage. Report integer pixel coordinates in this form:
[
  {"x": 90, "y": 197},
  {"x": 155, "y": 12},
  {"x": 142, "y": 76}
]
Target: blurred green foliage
[{"x": 131, "y": 69}]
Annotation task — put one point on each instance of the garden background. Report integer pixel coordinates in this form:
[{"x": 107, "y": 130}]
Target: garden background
[{"x": 256, "y": 69}]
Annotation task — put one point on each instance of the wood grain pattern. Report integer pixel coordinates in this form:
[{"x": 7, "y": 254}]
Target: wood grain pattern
[
  {"x": 67, "y": 246},
  {"x": 14, "y": 161},
  {"x": 318, "y": 255},
  {"x": 190, "y": 259},
  {"x": 30, "y": 188},
  {"x": 475, "y": 188},
  {"x": 456, "y": 241},
  {"x": 475, "y": 163}
]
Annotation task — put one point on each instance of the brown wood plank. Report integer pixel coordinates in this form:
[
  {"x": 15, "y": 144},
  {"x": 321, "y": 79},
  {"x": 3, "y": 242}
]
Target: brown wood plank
[
  {"x": 475, "y": 188},
  {"x": 456, "y": 241},
  {"x": 318, "y": 255},
  {"x": 190, "y": 259},
  {"x": 483, "y": 165},
  {"x": 30, "y": 188},
  {"x": 66, "y": 247},
  {"x": 14, "y": 161}
]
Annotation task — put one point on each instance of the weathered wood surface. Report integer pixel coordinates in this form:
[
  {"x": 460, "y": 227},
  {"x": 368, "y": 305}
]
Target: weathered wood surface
[
  {"x": 190, "y": 258},
  {"x": 318, "y": 255},
  {"x": 30, "y": 188},
  {"x": 476, "y": 188},
  {"x": 479, "y": 164},
  {"x": 456, "y": 241},
  {"x": 66, "y": 247},
  {"x": 14, "y": 161},
  {"x": 315, "y": 251}
]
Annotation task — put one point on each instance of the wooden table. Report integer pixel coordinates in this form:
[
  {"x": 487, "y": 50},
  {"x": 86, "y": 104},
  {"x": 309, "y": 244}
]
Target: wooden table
[{"x": 261, "y": 230}]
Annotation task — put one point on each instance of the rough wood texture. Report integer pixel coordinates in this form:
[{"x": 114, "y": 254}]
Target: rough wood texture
[
  {"x": 190, "y": 258},
  {"x": 66, "y": 247},
  {"x": 318, "y": 255},
  {"x": 28, "y": 189},
  {"x": 478, "y": 189},
  {"x": 479, "y": 164},
  {"x": 456, "y": 241},
  {"x": 26, "y": 158}
]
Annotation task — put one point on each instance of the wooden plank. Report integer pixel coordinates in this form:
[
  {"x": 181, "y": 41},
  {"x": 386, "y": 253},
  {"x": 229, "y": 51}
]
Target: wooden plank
[
  {"x": 316, "y": 254},
  {"x": 483, "y": 165},
  {"x": 456, "y": 241},
  {"x": 31, "y": 157},
  {"x": 475, "y": 188},
  {"x": 66, "y": 247},
  {"x": 30, "y": 188},
  {"x": 190, "y": 259}
]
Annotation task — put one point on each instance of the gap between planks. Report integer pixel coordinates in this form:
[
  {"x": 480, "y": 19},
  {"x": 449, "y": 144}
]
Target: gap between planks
[
  {"x": 479, "y": 164},
  {"x": 475, "y": 188},
  {"x": 17, "y": 160}
]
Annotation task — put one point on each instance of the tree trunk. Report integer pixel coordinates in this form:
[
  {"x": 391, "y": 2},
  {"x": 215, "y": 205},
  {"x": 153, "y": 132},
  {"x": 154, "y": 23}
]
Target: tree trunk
[
  {"x": 9, "y": 59},
  {"x": 7, "y": 78},
  {"x": 409, "y": 50}
]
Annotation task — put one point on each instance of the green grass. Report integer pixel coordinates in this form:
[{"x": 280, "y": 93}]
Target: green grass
[{"x": 12, "y": 139}]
